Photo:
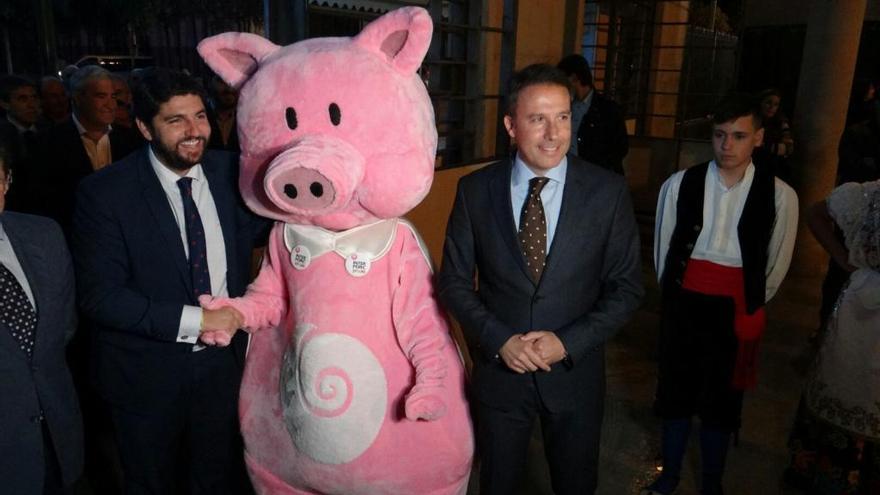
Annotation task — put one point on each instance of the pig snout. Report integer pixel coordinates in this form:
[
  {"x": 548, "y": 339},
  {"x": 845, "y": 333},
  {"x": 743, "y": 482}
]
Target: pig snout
[
  {"x": 307, "y": 188},
  {"x": 314, "y": 175}
]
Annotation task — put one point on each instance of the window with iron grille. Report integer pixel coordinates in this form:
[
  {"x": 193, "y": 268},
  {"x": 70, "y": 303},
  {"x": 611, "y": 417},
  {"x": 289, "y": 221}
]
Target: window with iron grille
[
  {"x": 666, "y": 62},
  {"x": 456, "y": 71}
]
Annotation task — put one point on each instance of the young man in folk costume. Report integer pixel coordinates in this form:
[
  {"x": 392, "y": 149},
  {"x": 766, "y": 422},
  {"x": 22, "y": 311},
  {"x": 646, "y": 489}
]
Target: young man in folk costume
[{"x": 724, "y": 236}]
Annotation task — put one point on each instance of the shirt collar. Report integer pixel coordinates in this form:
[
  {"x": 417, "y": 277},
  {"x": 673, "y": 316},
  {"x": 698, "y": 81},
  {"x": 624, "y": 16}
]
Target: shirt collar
[
  {"x": 716, "y": 176},
  {"x": 81, "y": 129},
  {"x": 167, "y": 176},
  {"x": 18, "y": 125},
  {"x": 522, "y": 174}
]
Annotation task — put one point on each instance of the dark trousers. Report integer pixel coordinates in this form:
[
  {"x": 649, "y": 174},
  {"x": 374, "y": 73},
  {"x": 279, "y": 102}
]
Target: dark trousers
[
  {"x": 697, "y": 356},
  {"x": 713, "y": 449},
  {"x": 571, "y": 445},
  {"x": 191, "y": 443},
  {"x": 102, "y": 471}
]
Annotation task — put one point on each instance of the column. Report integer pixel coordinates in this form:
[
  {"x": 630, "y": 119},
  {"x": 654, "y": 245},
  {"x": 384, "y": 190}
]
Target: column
[{"x": 830, "y": 49}]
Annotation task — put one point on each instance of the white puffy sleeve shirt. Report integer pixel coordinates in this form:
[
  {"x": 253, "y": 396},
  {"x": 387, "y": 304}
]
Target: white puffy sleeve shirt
[{"x": 718, "y": 241}]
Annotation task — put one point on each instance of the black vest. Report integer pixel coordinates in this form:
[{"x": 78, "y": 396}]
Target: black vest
[{"x": 754, "y": 230}]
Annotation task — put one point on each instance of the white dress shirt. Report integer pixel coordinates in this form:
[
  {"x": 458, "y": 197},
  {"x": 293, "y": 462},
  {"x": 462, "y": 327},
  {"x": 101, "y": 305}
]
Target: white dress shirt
[
  {"x": 10, "y": 261},
  {"x": 191, "y": 317},
  {"x": 21, "y": 128},
  {"x": 551, "y": 195},
  {"x": 718, "y": 241}
]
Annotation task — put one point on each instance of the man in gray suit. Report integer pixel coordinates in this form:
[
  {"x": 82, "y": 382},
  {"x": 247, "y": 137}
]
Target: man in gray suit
[
  {"x": 553, "y": 243},
  {"x": 41, "y": 440}
]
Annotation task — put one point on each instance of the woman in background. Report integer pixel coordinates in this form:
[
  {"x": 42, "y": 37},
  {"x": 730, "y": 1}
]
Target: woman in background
[
  {"x": 778, "y": 142},
  {"x": 835, "y": 443}
]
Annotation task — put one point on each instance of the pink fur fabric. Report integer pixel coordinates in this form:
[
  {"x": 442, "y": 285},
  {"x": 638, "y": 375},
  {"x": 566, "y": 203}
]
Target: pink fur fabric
[{"x": 353, "y": 384}]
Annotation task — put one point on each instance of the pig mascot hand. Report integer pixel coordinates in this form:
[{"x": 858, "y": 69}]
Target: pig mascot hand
[{"x": 352, "y": 383}]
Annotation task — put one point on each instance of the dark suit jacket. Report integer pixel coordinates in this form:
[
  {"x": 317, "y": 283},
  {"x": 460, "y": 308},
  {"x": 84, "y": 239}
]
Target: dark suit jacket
[
  {"x": 133, "y": 278},
  {"x": 590, "y": 285},
  {"x": 63, "y": 162},
  {"x": 45, "y": 383},
  {"x": 602, "y": 137}
]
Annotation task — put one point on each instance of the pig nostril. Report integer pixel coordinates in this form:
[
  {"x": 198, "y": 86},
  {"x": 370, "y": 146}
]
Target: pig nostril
[
  {"x": 290, "y": 191},
  {"x": 317, "y": 189}
]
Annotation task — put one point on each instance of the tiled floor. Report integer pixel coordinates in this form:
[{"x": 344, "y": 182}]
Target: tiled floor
[{"x": 630, "y": 437}]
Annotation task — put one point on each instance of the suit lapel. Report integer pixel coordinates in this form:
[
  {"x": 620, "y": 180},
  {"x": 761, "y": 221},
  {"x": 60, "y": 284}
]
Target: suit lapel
[
  {"x": 157, "y": 202},
  {"x": 30, "y": 257},
  {"x": 82, "y": 165},
  {"x": 499, "y": 192},
  {"x": 117, "y": 146},
  {"x": 570, "y": 223},
  {"x": 225, "y": 202}
]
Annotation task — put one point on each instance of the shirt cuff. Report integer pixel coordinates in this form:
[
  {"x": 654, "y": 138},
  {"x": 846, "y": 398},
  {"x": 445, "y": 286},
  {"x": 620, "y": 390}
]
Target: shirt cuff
[{"x": 190, "y": 325}]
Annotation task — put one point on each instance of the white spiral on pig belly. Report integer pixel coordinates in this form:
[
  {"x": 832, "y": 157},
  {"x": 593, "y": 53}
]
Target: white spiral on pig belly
[{"x": 333, "y": 395}]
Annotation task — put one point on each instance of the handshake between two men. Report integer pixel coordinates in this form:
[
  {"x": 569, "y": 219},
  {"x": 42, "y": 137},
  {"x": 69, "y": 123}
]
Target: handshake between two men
[{"x": 219, "y": 325}]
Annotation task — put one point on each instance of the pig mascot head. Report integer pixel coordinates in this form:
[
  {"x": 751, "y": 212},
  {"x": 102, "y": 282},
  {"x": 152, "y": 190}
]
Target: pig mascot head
[{"x": 334, "y": 132}]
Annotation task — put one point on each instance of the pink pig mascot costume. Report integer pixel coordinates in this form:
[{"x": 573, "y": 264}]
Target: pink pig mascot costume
[{"x": 352, "y": 384}]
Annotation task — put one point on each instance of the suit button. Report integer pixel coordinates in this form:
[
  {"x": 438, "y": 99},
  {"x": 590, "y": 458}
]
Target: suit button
[
  {"x": 684, "y": 263},
  {"x": 697, "y": 228},
  {"x": 689, "y": 245},
  {"x": 37, "y": 418},
  {"x": 678, "y": 281}
]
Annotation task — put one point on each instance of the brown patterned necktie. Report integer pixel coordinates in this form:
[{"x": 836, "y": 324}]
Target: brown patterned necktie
[{"x": 533, "y": 229}]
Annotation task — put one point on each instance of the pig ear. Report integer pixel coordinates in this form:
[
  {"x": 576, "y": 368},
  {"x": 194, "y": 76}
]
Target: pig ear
[
  {"x": 235, "y": 56},
  {"x": 402, "y": 37}
]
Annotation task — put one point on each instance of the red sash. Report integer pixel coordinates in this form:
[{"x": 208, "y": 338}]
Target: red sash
[{"x": 716, "y": 280}]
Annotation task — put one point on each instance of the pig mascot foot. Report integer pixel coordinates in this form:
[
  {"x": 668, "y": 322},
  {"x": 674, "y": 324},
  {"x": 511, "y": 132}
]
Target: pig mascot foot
[{"x": 352, "y": 384}]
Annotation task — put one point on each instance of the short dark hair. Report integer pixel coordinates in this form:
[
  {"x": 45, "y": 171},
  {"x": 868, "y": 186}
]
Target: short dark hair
[
  {"x": 157, "y": 86},
  {"x": 530, "y": 76},
  {"x": 45, "y": 80},
  {"x": 769, "y": 92},
  {"x": 10, "y": 83},
  {"x": 734, "y": 106},
  {"x": 577, "y": 65}
]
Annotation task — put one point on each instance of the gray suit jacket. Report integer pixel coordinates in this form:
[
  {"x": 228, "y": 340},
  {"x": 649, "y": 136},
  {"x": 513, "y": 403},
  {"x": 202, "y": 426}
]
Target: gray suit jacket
[
  {"x": 44, "y": 384},
  {"x": 590, "y": 286}
]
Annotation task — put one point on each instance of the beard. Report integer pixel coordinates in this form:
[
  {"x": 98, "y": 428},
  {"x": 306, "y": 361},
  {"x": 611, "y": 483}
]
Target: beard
[{"x": 171, "y": 158}]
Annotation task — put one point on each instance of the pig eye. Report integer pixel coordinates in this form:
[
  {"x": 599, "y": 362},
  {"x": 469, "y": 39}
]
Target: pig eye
[
  {"x": 335, "y": 113},
  {"x": 291, "y": 118}
]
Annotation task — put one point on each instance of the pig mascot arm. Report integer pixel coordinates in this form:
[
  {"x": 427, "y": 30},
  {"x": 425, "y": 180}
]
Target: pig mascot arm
[
  {"x": 266, "y": 298},
  {"x": 421, "y": 331}
]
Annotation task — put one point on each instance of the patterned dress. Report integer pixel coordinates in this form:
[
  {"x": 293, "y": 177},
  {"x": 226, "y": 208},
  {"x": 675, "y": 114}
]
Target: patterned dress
[{"x": 835, "y": 442}]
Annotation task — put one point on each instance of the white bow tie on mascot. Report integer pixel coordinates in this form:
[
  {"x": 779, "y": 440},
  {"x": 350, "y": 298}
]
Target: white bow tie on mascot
[{"x": 353, "y": 384}]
